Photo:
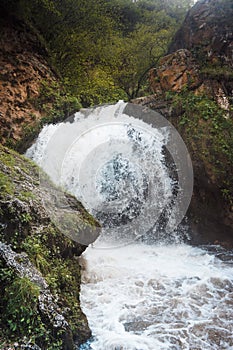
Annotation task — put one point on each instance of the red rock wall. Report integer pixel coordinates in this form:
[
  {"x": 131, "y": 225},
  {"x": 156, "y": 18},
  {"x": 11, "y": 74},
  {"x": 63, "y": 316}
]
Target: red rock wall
[{"x": 22, "y": 69}]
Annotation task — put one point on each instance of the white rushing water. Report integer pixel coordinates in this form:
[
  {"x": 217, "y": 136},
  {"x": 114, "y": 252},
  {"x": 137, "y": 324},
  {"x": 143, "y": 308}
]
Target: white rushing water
[
  {"x": 146, "y": 297},
  {"x": 136, "y": 295}
]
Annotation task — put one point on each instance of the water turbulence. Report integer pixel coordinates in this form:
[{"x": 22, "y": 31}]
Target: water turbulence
[
  {"x": 148, "y": 297},
  {"x": 142, "y": 288}
]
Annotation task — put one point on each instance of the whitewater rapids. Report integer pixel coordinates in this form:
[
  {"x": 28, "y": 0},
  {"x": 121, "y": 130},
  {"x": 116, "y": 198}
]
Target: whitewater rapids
[
  {"x": 143, "y": 297},
  {"x": 138, "y": 296}
]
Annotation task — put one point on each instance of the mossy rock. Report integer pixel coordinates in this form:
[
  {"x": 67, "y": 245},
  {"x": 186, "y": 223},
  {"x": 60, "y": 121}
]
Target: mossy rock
[{"x": 28, "y": 232}]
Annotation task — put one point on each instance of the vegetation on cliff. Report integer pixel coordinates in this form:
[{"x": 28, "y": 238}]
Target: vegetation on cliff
[
  {"x": 208, "y": 131},
  {"x": 40, "y": 274},
  {"x": 60, "y": 55},
  {"x": 193, "y": 84},
  {"x": 98, "y": 51},
  {"x": 102, "y": 49}
]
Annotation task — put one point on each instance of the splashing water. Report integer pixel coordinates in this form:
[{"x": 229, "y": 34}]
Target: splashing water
[
  {"x": 139, "y": 296},
  {"x": 143, "y": 297},
  {"x": 117, "y": 165}
]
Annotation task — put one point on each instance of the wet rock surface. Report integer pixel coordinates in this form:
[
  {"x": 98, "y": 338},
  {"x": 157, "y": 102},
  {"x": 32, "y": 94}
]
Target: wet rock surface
[{"x": 32, "y": 247}]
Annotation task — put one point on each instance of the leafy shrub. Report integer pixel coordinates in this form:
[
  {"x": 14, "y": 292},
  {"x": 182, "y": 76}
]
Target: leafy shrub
[{"x": 208, "y": 131}]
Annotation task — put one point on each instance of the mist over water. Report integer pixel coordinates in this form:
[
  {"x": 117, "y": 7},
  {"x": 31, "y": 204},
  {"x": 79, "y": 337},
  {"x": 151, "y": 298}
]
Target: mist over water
[{"x": 139, "y": 291}]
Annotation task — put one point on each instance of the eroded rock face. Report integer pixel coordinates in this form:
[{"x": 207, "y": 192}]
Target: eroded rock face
[
  {"x": 207, "y": 31},
  {"x": 175, "y": 71},
  {"x": 23, "y": 67},
  {"x": 201, "y": 55},
  {"x": 180, "y": 70}
]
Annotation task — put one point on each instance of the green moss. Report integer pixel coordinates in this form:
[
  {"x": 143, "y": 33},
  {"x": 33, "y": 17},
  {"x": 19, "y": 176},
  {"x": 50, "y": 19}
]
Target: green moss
[
  {"x": 217, "y": 72},
  {"x": 7, "y": 158},
  {"x": 208, "y": 132},
  {"x": 21, "y": 307},
  {"x": 28, "y": 228},
  {"x": 26, "y": 195},
  {"x": 6, "y": 186}
]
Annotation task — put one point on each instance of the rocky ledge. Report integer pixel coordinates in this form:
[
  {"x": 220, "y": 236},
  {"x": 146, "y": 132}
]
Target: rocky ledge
[{"x": 40, "y": 272}]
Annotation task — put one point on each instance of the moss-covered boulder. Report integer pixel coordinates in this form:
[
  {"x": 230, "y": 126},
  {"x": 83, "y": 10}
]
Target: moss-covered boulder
[{"x": 40, "y": 272}]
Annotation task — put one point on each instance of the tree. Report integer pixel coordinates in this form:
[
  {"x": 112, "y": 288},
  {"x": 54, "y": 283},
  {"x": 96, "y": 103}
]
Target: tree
[{"x": 103, "y": 49}]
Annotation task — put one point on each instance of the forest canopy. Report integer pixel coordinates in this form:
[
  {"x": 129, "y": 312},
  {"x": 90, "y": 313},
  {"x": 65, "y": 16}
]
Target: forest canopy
[{"x": 103, "y": 49}]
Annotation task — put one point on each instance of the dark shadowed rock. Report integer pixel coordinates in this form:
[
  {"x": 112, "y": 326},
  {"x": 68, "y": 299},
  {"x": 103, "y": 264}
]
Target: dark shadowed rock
[
  {"x": 199, "y": 62},
  {"x": 207, "y": 31}
]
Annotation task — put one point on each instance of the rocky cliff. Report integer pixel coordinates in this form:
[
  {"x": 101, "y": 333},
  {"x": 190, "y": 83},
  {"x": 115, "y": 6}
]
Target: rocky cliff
[
  {"x": 40, "y": 272},
  {"x": 207, "y": 32},
  {"x": 23, "y": 68},
  {"x": 30, "y": 90},
  {"x": 193, "y": 87}
]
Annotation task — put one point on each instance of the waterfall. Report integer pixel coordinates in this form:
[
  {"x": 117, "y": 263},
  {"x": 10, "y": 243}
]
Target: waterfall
[{"x": 143, "y": 287}]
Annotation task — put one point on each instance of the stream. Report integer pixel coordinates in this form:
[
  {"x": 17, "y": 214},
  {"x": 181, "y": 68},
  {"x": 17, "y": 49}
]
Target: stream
[
  {"x": 148, "y": 297},
  {"x": 143, "y": 286}
]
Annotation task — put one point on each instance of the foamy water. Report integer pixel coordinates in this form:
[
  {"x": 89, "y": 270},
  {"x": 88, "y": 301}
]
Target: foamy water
[
  {"x": 138, "y": 296},
  {"x": 144, "y": 297},
  {"x": 116, "y": 164}
]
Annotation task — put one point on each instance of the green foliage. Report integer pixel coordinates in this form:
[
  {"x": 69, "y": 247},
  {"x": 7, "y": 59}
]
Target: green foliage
[
  {"x": 18, "y": 305},
  {"x": 102, "y": 49},
  {"x": 137, "y": 53},
  {"x": 38, "y": 253},
  {"x": 217, "y": 72},
  {"x": 56, "y": 102},
  {"x": 26, "y": 217},
  {"x": 99, "y": 88},
  {"x": 21, "y": 307},
  {"x": 65, "y": 279},
  {"x": 19, "y": 316},
  {"x": 208, "y": 130},
  {"x": 6, "y": 186},
  {"x": 61, "y": 273}
]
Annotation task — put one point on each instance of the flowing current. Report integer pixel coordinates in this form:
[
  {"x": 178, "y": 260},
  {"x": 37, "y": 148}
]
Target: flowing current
[
  {"x": 142, "y": 288},
  {"x": 144, "y": 297}
]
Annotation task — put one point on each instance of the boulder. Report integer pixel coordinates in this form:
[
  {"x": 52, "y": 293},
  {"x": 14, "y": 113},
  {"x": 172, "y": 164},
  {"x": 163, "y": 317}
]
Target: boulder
[{"x": 33, "y": 247}]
